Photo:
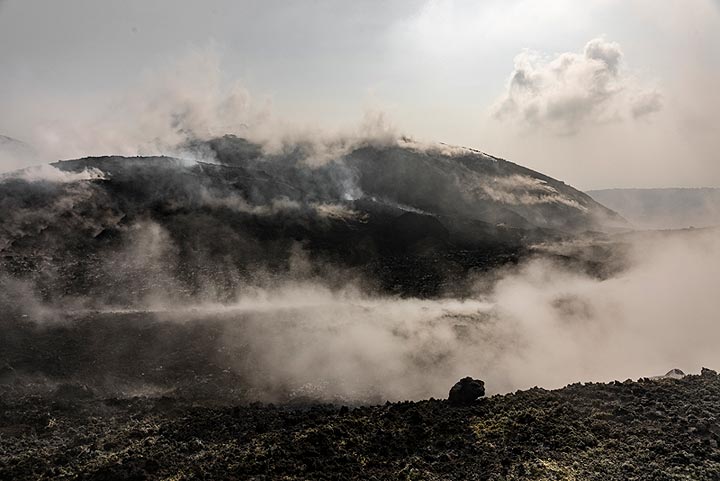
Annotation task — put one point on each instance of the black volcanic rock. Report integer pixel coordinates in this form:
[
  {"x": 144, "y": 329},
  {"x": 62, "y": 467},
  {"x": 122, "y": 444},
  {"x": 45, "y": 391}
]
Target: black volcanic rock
[
  {"x": 409, "y": 220},
  {"x": 647, "y": 430},
  {"x": 466, "y": 391}
]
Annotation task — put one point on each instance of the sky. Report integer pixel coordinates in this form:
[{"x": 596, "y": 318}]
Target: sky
[{"x": 598, "y": 93}]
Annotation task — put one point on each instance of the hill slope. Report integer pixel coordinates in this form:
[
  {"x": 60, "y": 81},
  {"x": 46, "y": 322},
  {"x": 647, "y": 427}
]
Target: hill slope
[{"x": 409, "y": 220}]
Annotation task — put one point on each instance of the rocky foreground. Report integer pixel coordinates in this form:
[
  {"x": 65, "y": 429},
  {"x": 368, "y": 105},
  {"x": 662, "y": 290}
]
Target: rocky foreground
[{"x": 661, "y": 429}]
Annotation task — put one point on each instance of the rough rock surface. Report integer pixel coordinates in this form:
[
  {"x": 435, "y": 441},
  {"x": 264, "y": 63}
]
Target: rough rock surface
[
  {"x": 399, "y": 219},
  {"x": 664, "y": 429},
  {"x": 466, "y": 391}
]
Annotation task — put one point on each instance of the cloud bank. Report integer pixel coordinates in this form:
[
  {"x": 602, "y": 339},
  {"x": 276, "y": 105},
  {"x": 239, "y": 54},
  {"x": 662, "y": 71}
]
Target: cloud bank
[{"x": 572, "y": 90}]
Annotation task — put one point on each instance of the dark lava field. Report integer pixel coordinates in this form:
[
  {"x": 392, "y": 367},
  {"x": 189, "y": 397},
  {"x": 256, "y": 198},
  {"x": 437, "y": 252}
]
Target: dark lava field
[{"x": 661, "y": 429}]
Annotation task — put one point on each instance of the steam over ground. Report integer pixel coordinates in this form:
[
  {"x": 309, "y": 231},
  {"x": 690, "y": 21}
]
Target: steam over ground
[
  {"x": 358, "y": 267},
  {"x": 541, "y": 323},
  {"x": 381, "y": 272},
  {"x": 289, "y": 240}
]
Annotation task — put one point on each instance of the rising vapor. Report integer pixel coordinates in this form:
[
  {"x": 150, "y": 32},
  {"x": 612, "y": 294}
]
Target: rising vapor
[{"x": 573, "y": 89}]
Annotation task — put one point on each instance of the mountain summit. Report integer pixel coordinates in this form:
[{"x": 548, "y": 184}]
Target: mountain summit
[{"x": 410, "y": 218}]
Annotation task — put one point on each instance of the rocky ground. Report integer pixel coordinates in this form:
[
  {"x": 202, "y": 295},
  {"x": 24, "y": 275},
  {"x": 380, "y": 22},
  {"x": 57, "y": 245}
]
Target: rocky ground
[{"x": 661, "y": 429}]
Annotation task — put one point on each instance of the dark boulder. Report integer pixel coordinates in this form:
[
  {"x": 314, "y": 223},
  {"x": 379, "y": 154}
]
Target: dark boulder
[
  {"x": 466, "y": 391},
  {"x": 707, "y": 372}
]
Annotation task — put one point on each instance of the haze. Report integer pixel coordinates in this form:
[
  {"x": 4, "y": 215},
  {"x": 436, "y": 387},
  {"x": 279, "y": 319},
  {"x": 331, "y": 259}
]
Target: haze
[{"x": 600, "y": 94}]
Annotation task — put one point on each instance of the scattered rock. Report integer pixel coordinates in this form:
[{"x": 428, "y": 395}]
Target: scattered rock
[{"x": 466, "y": 391}]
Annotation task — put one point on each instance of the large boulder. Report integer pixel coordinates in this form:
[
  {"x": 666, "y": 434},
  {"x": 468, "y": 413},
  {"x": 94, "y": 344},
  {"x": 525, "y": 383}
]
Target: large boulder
[{"x": 466, "y": 391}]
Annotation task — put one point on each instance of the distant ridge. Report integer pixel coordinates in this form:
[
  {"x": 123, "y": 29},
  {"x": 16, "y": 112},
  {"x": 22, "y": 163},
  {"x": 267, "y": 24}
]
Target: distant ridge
[{"x": 664, "y": 208}]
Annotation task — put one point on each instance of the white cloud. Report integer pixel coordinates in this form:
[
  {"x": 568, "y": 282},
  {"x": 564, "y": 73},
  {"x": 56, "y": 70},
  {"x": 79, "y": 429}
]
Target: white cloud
[
  {"x": 573, "y": 90},
  {"x": 647, "y": 103}
]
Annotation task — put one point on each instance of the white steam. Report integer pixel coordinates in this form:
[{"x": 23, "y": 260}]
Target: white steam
[
  {"x": 574, "y": 89},
  {"x": 519, "y": 190},
  {"x": 48, "y": 173},
  {"x": 184, "y": 100},
  {"x": 542, "y": 325},
  {"x": 320, "y": 337}
]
